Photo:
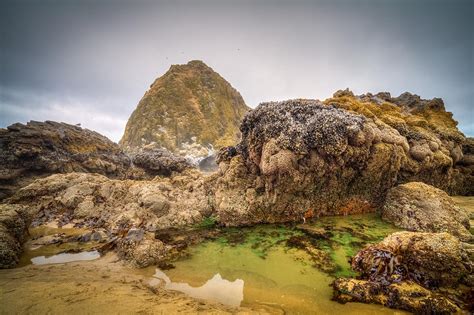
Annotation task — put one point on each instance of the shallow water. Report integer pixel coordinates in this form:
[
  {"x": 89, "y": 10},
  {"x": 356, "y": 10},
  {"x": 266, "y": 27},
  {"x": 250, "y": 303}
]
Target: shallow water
[
  {"x": 42, "y": 249},
  {"x": 263, "y": 270},
  {"x": 65, "y": 257}
]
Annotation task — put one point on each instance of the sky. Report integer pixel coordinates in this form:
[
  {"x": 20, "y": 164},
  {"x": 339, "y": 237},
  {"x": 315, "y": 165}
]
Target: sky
[{"x": 90, "y": 62}]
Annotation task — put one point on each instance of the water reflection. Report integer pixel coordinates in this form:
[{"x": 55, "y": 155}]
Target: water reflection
[
  {"x": 216, "y": 289},
  {"x": 64, "y": 258}
]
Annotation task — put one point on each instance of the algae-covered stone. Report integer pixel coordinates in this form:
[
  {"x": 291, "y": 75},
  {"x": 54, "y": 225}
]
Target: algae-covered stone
[
  {"x": 14, "y": 221},
  {"x": 431, "y": 259},
  {"x": 407, "y": 296},
  {"x": 420, "y": 207},
  {"x": 425, "y": 273}
]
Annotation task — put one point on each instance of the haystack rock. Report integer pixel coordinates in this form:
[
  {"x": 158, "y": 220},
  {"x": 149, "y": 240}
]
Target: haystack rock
[{"x": 191, "y": 111}]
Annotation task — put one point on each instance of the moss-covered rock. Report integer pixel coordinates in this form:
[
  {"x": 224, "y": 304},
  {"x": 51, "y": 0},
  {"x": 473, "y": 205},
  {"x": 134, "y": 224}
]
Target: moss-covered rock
[{"x": 189, "y": 110}]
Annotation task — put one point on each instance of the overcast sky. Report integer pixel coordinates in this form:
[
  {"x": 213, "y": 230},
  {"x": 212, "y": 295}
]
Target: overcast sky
[{"x": 90, "y": 62}]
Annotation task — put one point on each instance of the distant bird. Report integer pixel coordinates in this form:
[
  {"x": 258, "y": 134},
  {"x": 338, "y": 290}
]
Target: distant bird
[{"x": 79, "y": 124}]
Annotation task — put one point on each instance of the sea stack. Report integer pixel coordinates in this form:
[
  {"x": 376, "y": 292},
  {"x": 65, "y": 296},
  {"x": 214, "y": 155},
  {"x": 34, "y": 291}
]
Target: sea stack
[{"x": 191, "y": 111}]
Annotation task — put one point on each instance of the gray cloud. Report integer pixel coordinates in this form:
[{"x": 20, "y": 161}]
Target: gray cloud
[{"x": 91, "y": 61}]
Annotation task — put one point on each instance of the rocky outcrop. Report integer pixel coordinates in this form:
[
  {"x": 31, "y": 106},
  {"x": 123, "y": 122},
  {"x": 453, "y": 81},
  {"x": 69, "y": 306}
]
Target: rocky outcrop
[
  {"x": 436, "y": 147},
  {"x": 14, "y": 222},
  {"x": 43, "y": 148},
  {"x": 154, "y": 162},
  {"x": 400, "y": 271},
  {"x": 94, "y": 200},
  {"x": 303, "y": 156},
  {"x": 190, "y": 110},
  {"x": 39, "y": 149},
  {"x": 420, "y": 207},
  {"x": 337, "y": 157},
  {"x": 129, "y": 211}
]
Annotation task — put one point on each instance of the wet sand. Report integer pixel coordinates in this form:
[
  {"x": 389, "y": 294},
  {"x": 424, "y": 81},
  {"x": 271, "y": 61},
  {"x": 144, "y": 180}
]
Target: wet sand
[{"x": 102, "y": 286}]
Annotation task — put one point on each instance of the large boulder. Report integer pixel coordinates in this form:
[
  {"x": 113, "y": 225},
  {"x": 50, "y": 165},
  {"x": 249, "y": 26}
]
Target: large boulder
[
  {"x": 303, "y": 156},
  {"x": 430, "y": 259},
  {"x": 420, "y": 207},
  {"x": 339, "y": 156},
  {"x": 424, "y": 273}
]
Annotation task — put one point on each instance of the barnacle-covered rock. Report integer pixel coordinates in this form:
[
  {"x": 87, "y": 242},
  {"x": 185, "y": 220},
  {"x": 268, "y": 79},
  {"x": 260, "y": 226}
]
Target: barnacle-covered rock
[
  {"x": 430, "y": 259},
  {"x": 301, "y": 154},
  {"x": 436, "y": 148},
  {"x": 407, "y": 296},
  {"x": 159, "y": 161},
  {"x": 426, "y": 273},
  {"x": 420, "y": 207},
  {"x": 14, "y": 221}
]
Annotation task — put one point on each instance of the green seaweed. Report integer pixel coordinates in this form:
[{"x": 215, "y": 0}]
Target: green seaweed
[{"x": 208, "y": 222}]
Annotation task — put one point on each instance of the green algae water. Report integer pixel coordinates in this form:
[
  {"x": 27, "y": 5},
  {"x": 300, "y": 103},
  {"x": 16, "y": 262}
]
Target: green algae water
[{"x": 279, "y": 267}]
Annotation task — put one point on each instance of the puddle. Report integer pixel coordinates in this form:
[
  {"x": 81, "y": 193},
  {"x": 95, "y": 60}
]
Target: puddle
[
  {"x": 50, "y": 245},
  {"x": 215, "y": 289},
  {"x": 65, "y": 258},
  {"x": 254, "y": 266}
]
